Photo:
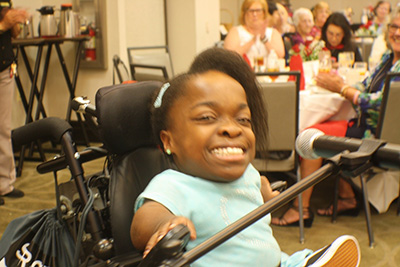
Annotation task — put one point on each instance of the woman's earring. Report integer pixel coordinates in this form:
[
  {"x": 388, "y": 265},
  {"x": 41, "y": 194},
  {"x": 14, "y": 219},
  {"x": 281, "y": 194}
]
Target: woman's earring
[{"x": 168, "y": 151}]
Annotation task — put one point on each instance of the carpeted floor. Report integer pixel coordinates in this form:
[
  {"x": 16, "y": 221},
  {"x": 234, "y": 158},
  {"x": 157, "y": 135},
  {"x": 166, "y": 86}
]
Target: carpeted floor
[{"x": 39, "y": 190}]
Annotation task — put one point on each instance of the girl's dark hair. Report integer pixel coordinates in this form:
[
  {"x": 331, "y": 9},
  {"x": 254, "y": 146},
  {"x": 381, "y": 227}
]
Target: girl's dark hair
[
  {"x": 159, "y": 115},
  {"x": 338, "y": 19},
  {"x": 232, "y": 64}
]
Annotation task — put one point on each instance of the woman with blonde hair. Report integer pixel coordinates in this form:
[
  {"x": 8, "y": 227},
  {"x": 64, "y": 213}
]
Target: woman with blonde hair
[
  {"x": 253, "y": 36},
  {"x": 321, "y": 12}
]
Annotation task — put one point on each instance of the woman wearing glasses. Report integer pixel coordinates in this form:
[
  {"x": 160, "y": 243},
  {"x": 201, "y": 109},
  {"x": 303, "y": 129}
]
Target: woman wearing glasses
[
  {"x": 366, "y": 97},
  {"x": 253, "y": 38}
]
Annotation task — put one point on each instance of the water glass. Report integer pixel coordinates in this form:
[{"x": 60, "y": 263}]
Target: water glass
[
  {"x": 361, "y": 68},
  {"x": 324, "y": 61}
]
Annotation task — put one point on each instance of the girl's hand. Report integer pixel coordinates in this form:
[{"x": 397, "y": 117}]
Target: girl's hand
[
  {"x": 266, "y": 190},
  {"x": 165, "y": 228}
]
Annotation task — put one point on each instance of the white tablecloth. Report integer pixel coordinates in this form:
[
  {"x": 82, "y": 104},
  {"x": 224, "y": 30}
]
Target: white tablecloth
[{"x": 316, "y": 106}]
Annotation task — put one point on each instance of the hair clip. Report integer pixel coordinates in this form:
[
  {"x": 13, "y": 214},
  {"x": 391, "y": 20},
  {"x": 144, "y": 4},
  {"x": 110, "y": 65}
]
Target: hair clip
[{"x": 158, "y": 101}]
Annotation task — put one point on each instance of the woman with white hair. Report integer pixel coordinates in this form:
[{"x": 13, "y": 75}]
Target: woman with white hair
[{"x": 303, "y": 21}]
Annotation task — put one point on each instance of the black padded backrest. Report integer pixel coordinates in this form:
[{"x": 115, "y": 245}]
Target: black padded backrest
[
  {"x": 123, "y": 115},
  {"x": 124, "y": 127},
  {"x": 129, "y": 177}
]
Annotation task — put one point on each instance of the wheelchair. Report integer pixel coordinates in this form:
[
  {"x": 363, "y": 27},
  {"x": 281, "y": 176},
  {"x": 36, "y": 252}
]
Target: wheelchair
[{"x": 98, "y": 208}]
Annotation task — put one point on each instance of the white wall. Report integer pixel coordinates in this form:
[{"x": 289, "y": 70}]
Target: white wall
[{"x": 192, "y": 27}]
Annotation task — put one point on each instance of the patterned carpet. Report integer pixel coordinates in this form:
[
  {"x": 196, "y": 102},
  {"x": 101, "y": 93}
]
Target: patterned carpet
[{"x": 39, "y": 190}]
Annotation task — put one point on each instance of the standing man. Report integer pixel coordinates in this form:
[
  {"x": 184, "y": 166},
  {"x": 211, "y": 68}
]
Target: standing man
[{"x": 9, "y": 27}]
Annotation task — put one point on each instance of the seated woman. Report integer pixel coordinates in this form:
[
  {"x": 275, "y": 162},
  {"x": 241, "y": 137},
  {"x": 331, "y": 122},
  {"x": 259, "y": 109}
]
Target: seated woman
[
  {"x": 336, "y": 33},
  {"x": 366, "y": 98},
  {"x": 321, "y": 12},
  {"x": 253, "y": 38},
  {"x": 304, "y": 22},
  {"x": 382, "y": 10},
  {"x": 284, "y": 24}
]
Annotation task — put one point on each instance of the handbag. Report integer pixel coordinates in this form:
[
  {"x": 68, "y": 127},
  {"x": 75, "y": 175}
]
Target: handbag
[{"x": 37, "y": 239}]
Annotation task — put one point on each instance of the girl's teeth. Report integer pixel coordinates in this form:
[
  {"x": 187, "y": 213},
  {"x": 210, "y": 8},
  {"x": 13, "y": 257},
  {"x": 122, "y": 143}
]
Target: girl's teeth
[{"x": 228, "y": 151}]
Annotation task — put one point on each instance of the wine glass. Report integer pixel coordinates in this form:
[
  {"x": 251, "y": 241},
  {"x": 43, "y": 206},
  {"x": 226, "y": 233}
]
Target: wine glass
[
  {"x": 346, "y": 59},
  {"x": 351, "y": 58}
]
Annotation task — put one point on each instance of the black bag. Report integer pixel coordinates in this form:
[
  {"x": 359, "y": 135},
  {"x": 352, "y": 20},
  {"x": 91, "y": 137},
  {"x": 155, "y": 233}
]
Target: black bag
[{"x": 37, "y": 239}]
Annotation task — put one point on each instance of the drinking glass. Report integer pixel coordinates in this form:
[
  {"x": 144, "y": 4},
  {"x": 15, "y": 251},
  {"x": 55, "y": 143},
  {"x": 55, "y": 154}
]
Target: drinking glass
[
  {"x": 361, "y": 67},
  {"x": 346, "y": 59},
  {"x": 324, "y": 61},
  {"x": 259, "y": 63},
  {"x": 273, "y": 66}
]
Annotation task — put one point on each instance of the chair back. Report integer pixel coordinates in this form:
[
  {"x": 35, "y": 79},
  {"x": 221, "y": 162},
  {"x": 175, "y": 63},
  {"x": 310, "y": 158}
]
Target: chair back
[
  {"x": 150, "y": 63},
  {"x": 120, "y": 71},
  {"x": 282, "y": 102},
  {"x": 388, "y": 123},
  {"x": 124, "y": 127}
]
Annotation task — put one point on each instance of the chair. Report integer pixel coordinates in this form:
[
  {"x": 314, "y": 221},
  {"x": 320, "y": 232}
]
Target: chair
[
  {"x": 120, "y": 70},
  {"x": 283, "y": 126},
  {"x": 282, "y": 102},
  {"x": 150, "y": 63},
  {"x": 388, "y": 130}
]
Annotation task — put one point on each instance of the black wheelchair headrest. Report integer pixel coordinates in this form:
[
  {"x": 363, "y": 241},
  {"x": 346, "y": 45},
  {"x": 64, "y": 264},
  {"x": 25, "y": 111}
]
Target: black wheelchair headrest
[{"x": 123, "y": 115}]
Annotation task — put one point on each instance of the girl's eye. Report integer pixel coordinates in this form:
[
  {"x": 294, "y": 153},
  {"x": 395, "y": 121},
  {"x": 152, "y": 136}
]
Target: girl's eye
[
  {"x": 205, "y": 118},
  {"x": 244, "y": 121}
]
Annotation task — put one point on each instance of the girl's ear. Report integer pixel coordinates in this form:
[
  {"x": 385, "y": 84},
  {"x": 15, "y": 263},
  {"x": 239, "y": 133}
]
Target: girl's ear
[{"x": 166, "y": 140}]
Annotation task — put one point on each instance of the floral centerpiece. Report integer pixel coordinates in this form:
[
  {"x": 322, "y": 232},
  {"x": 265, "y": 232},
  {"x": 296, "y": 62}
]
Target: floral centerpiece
[
  {"x": 308, "y": 51},
  {"x": 368, "y": 29}
]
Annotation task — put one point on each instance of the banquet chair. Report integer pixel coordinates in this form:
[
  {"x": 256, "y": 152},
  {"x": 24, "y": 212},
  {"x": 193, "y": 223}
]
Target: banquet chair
[
  {"x": 150, "y": 63},
  {"x": 120, "y": 71},
  {"x": 281, "y": 100},
  {"x": 282, "y": 104},
  {"x": 388, "y": 130}
]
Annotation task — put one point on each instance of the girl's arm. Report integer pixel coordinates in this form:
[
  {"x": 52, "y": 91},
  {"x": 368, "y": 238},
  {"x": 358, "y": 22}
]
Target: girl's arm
[
  {"x": 232, "y": 42},
  {"x": 152, "y": 222}
]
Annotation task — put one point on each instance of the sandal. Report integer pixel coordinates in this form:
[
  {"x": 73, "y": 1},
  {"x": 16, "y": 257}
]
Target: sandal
[
  {"x": 353, "y": 212},
  {"x": 306, "y": 212}
]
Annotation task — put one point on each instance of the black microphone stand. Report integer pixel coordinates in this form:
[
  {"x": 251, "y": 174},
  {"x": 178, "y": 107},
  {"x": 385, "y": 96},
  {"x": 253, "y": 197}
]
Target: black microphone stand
[{"x": 350, "y": 163}]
